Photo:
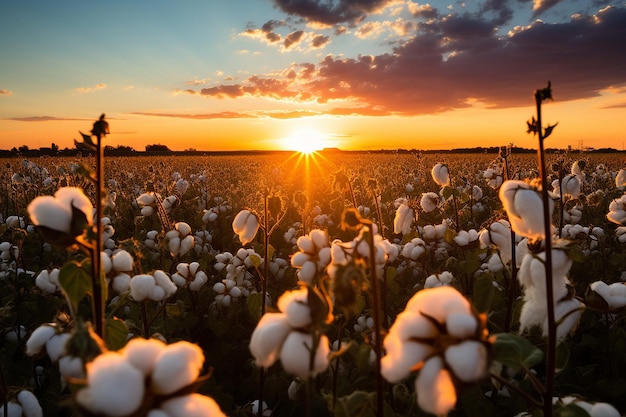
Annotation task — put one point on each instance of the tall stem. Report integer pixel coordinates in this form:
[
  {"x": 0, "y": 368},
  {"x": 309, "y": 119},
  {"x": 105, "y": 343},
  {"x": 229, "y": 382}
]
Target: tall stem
[
  {"x": 98, "y": 301},
  {"x": 266, "y": 251},
  {"x": 551, "y": 346},
  {"x": 377, "y": 325}
]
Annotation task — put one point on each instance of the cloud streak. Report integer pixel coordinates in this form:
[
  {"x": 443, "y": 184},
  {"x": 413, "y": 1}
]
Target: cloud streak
[
  {"x": 83, "y": 90},
  {"x": 5, "y": 92}
]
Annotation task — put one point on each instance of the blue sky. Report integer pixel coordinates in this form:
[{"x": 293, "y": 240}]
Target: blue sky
[{"x": 226, "y": 70}]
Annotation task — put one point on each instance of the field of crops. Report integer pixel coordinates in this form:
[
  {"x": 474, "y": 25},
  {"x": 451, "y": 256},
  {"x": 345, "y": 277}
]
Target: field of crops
[{"x": 393, "y": 285}]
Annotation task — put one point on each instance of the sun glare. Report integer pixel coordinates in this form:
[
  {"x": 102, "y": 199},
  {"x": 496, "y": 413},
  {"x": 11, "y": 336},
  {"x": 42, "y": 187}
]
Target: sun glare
[{"x": 304, "y": 140}]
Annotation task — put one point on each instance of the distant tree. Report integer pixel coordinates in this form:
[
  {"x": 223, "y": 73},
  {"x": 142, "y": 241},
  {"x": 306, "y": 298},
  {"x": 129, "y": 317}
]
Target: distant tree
[
  {"x": 54, "y": 148},
  {"x": 157, "y": 148},
  {"x": 24, "y": 149}
]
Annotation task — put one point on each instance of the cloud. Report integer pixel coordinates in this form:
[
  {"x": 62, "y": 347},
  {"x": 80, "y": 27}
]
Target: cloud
[
  {"x": 540, "y": 6},
  {"x": 97, "y": 87},
  {"x": 294, "y": 38},
  {"x": 41, "y": 119},
  {"x": 266, "y": 32},
  {"x": 5, "y": 92},
  {"x": 203, "y": 116},
  {"x": 319, "y": 41},
  {"x": 455, "y": 61},
  {"x": 331, "y": 12}
]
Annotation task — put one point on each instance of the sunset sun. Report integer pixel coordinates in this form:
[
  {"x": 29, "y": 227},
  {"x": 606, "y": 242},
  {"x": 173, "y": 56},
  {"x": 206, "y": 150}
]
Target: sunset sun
[{"x": 304, "y": 140}]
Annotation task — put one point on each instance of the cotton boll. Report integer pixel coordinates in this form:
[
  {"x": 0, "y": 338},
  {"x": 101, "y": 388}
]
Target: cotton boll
[
  {"x": 164, "y": 281},
  {"x": 141, "y": 287},
  {"x": 13, "y": 409},
  {"x": 177, "y": 366},
  {"x": 603, "y": 410},
  {"x": 39, "y": 337},
  {"x": 295, "y": 354},
  {"x": 461, "y": 325},
  {"x": 71, "y": 367},
  {"x": 121, "y": 283},
  {"x": 122, "y": 261},
  {"x": 143, "y": 353},
  {"x": 147, "y": 211},
  {"x": 468, "y": 360},
  {"x": 401, "y": 357},
  {"x": 192, "y": 405},
  {"x": 55, "y": 346},
  {"x": 268, "y": 337},
  {"x": 434, "y": 387},
  {"x": 294, "y": 305},
  {"x": 114, "y": 387},
  {"x": 30, "y": 404}
]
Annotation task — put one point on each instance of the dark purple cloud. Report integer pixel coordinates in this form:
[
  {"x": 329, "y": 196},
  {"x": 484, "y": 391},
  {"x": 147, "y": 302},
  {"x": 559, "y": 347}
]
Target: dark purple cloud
[
  {"x": 457, "y": 59},
  {"x": 330, "y": 12}
]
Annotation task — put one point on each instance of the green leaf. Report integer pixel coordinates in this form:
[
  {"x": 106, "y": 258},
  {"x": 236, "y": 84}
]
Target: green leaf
[
  {"x": 447, "y": 192},
  {"x": 76, "y": 282},
  {"x": 254, "y": 303},
  {"x": 484, "y": 293},
  {"x": 115, "y": 332},
  {"x": 357, "y": 404},
  {"x": 469, "y": 266},
  {"x": 515, "y": 351}
]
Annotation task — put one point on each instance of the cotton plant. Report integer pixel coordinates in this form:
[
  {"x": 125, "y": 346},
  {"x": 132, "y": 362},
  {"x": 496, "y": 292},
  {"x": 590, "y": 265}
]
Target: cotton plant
[
  {"x": 403, "y": 219},
  {"x": 569, "y": 185},
  {"x": 238, "y": 281},
  {"x": 48, "y": 281},
  {"x": 494, "y": 176},
  {"x": 313, "y": 255},
  {"x": 440, "y": 335},
  {"x": 147, "y": 377},
  {"x": 202, "y": 242},
  {"x": 497, "y": 236},
  {"x": 617, "y": 211},
  {"x": 293, "y": 334},
  {"x": 157, "y": 286}
]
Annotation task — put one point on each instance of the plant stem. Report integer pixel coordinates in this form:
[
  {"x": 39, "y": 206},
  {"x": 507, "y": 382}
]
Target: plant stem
[
  {"x": 266, "y": 243},
  {"x": 551, "y": 344},
  {"x": 377, "y": 326},
  {"x": 97, "y": 278}
]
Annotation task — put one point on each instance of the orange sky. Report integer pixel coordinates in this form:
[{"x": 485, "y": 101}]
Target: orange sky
[{"x": 381, "y": 74}]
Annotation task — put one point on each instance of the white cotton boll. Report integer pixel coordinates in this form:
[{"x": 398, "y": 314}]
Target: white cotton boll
[
  {"x": 164, "y": 281},
  {"x": 50, "y": 212},
  {"x": 55, "y": 346},
  {"x": 461, "y": 325},
  {"x": 294, "y": 305},
  {"x": 429, "y": 201},
  {"x": 183, "y": 228},
  {"x": 435, "y": 389},
  {"x": 235, "y": 292},
  {"x": 143, "y": 353},
  {"x": 439, "y": 302},
  {"x": 403, "y": 219},
  {"x": 268, "y": 337},
  {"x": 468, "y": 360},
  {"x": 174, "y": 245},
  {"x": 147, "y": 211},
  {"x": 462, "y": 239},
  {"x": 441, "y": 175},
  {"x": 299, "y": 258},
  {"x": 295, "y": 354},
  {"x": 494, "y": 263},
  {"x": 30, "y": 404},
  {"x": 146, "y": 199},
  {"x": 122, "y": 261},
  {"x": 305, "y": 243},
  {"x": 121, "y": 283},
  {"x": 600, "y": 288},
  {"x": 603, "y": 410},
  {"x": 572, "y": 308},
  {"x": 226, "y": 300},
  {"x": 71, "y": 367},
  {"x": 219, "y": 287},
  {"x": 620, "y": 179},
  {"x": 43, "y": 282},
  {"x": 13, "y": 409},
  {"x": 39, "y": 337},
  {"x": 432, "y": 282},
  {"x": 186, "y": 245},
  {"x": 141, "y": 286},
  {"x": 324, "y": 257},
  {"x": 114, "y": 386},
  {"x": 200, "y": 279},
  {"x": 307, "y": 272},
  {"x": 179, "y": 280},
  {"x": 319, "y": 238},
  {"x": 177, "y": 366},
  {"x": 401, "y": 356},
  {"x": 192, "y": 405}
]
